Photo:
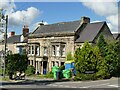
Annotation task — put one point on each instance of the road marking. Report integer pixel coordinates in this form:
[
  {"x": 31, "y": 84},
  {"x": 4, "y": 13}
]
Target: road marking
[
  {"x": 99, "y": 80},
  {"x": 74, "y": 87},
  {"x": 61, "y": 85},
  {"x": 67, "y": 86},
  {"x": 95, "y": 85},
  {"x": 114, "y": 86}
]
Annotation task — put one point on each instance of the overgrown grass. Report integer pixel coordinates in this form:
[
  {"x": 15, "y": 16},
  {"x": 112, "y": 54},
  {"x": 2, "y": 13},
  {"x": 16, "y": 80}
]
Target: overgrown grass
[
  {"x": 4, "y": 79},
  {"x": 48, "y": 75}
]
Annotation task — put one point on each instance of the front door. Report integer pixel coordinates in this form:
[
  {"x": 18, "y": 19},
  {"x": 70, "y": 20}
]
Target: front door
[{"x": 44, "y": 67}]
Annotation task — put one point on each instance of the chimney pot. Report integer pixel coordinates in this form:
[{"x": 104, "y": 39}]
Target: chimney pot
[
  {"x": 25, "y": 30},
  {"x": 85, "y": 20},
  {"x": 12, "y": 33}
]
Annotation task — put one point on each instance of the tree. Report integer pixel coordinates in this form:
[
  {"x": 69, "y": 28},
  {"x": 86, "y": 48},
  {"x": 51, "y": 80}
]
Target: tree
[
  {"x": 109, "y": 54},
  {"x": 116, "y": 49},
  {"x": 83, "y": 58},
  {"x": 89, "y": 59},
  {"x": 101, "y": 65},
  {"x": 16, "y": 62},
  {"x": 102, "y": 44}
]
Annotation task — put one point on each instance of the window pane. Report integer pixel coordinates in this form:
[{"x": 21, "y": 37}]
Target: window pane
[
  {"x": 32, "y": 49},
  {"x": 45, "y": 51},
  {"x": 62, "y": 50},
  {"x": 57, "y": 50},
  {"x": 37, "y": 50},
  {"x": 29, "y": 50},
  {"x": 53, "y": 50}
]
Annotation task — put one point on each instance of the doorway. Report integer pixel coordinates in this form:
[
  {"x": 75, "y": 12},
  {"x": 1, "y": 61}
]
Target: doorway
[{"x": 44, "y": 67}]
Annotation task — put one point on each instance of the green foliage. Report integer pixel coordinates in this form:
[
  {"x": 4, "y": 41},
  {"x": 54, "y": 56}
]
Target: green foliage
[
  {"x": 1, "y": 70},
  {"x": 16, "y": 62},
  {"x": 49, "y": 75},
  {"x": 110, "y": 52},
  {"x": 30, "y": 70},
  {"x": 102, "y": 44},
  {"x": 115, "y": 58},
  {"x": 89, "y": 59},
  {"x": 62, "y": 67},
  {"x": 84, "y": 59},
  {"x": 69, "y": 56}
]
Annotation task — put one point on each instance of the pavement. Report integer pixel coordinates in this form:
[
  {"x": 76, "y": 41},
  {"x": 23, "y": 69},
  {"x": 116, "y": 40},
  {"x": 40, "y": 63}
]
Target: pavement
[{"x": 65, "y": 83}]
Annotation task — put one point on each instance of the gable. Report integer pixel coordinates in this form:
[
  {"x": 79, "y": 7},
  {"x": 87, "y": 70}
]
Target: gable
[{"x": 90, "y": 32}]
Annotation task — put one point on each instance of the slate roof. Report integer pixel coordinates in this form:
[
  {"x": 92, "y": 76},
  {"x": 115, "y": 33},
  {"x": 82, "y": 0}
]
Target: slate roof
[
  {"x": 13, "y": 39},
  {"x": 58, "y": 27},
  {"x": 90, "y": 32},
  {"x": 116, "y": 35}
]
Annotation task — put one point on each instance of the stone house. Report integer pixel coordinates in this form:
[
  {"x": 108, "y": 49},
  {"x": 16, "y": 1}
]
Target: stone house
[
  {"x": 16, "y": 43},
  {"x": 49, "y": 44}
]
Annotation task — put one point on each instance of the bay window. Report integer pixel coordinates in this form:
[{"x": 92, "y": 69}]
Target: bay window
[{"x": 45, "y": 51}]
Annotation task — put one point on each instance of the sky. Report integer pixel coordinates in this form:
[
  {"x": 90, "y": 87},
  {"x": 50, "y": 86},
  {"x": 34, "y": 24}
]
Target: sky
[{"x": 31, "y": 13}]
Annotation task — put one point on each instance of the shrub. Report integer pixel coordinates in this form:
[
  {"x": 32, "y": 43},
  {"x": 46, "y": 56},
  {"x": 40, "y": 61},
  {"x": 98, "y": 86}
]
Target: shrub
[
  {"x": 30, "y": 70},
  {"x": 62, "y": 67},
  {"x": 49, "y": 75},
  {"x": 90, "y": 59}
]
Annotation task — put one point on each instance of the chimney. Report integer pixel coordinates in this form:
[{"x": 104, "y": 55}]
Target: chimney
[
  {"x": 12, "y": 33},
  {"x": 85, "y": 20},
  {"x": 25, "y": 30}
]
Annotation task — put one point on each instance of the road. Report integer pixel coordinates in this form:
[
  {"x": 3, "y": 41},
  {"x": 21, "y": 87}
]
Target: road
[{"x": 38, "y": 83}]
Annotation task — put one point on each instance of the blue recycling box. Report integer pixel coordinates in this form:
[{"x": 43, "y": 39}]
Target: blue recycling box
[{"x": 70, "y": 64}]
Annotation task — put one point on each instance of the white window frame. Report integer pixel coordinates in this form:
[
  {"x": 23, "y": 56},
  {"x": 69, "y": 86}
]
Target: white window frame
[
  {"x": 45, "y": 51},
  {"x": 57, "y": 50},
  {"x": 63, "y": 50},
  {"x": 53, "y": 50}
]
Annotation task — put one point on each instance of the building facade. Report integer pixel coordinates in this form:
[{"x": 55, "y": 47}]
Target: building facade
[
  {"x": 49, "y": 44},
  {"x": 16, "y": 43}
]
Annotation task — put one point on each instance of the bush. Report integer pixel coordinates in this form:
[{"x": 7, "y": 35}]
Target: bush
[
  {"x": 62, "y": 67},
  {"x": 90, "y": 59},
  {"x": 49, "y": 75},
  {"x": 87, "y": 77},
  {"x": 30, "y": 70}
]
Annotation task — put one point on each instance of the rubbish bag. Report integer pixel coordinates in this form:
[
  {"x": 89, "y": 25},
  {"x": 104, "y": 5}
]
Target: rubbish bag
[
  {"x": 54, "y": 70},
  {"x": 66, "y": 73}
]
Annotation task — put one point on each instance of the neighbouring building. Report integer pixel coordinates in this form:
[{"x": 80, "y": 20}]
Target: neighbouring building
[
  {"x": 116, "y": 36},
  {"x": 49, "y": 44},
  {"x": 16, "y": 43}
]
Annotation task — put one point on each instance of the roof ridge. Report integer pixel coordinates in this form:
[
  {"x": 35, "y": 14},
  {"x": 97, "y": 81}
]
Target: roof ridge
[{"x": 61, "y": 22}]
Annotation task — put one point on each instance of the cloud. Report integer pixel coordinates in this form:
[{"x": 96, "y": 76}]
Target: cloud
[
  {"x": 113, "y": 19},
  {"x": 7, "y": 5},
  {"x": 101, "y": 8},
  {"x": 18, "y": 18},
  {"x": 109, "y": 10},
  {"x": 24, "y": 17}
]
